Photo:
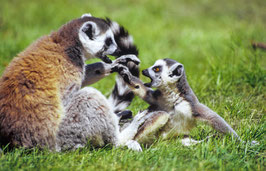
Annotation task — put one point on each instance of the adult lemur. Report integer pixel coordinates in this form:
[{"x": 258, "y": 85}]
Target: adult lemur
[
  {"x": 174, "y": 108},
  {"x": 41, "y": 100}
]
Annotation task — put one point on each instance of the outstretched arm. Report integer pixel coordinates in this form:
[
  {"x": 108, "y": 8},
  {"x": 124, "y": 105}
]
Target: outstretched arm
[
  {"x": 217, "y": 122},
  {"x": 96, "y": 71}
]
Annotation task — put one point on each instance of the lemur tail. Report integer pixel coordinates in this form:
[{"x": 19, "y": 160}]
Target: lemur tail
[{"x": 122, "y": 96}]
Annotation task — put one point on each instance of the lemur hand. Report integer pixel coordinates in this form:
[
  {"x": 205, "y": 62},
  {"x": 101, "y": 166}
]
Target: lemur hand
[
  {"x": 123, "y": 71},
  {"x": 130, "y": 61},
  {"x": 127, "y": 58},
  {"x": 131, "y": 80}
]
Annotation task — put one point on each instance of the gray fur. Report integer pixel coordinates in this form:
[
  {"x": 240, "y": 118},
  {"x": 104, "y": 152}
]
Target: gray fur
[
  {"x": 169, "y": 62},
  {"x": 88, "y": 118}
]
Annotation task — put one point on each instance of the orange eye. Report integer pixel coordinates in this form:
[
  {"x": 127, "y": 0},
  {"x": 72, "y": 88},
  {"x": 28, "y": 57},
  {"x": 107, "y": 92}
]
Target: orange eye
[{"x": 156, "y": 69}]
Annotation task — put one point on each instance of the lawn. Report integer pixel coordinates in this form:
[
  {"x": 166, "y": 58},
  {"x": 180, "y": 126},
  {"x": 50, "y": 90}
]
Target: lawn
[{"x": 213, "y": 41}]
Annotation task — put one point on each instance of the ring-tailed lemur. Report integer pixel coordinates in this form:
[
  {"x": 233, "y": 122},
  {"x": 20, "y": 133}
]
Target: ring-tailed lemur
[
  {"x": 174, "y": 108},
  {"x": 41, "y": 87},
  {"x": 96, "y": 121}
]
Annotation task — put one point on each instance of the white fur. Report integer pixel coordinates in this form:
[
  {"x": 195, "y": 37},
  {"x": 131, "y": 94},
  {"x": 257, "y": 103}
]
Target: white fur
[
  {"x": 183, "y": 117},
  {"x": 185, "y": 107},
  {"x": 94, "y": 46},
  {"x": 133, "y": 145},
  {"x": 113, "y": 46},
  {"x": 127, "y": 41},
  {"x": 116, "y": 105},
  {"x": 157, "y": 81},
  {"x": 163, "y": 79},
  {"x": 115, "y": 27},
  {"x": 166, "y": 72},
  {"x": 86, "y": 15}
]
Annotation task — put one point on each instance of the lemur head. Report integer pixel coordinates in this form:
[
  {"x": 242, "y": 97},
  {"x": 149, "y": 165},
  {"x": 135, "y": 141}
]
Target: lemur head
[
  {"x": 88, "y": 35},
  {"x": 164, "y": 72}
]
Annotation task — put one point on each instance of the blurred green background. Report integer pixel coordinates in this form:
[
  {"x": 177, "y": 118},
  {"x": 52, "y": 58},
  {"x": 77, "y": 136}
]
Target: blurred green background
[{"x": 213, "y": 41}]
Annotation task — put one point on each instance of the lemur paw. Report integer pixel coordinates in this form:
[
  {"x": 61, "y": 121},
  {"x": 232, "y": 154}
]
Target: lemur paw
[
  {"x": 123, "y": 71},
  {"x": 127, "y": 58},
  {"x": 134, "y": 145},
  {"x": 125, "y": 74}
]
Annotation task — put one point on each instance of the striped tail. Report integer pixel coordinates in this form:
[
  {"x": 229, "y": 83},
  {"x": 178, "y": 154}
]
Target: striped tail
[{"x": 122, "y": 96}]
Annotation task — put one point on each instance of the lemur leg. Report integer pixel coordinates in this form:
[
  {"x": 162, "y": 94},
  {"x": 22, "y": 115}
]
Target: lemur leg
[
  {"x": 148, "y": 132},
  {"x": 89, "y": 118},
  {"x": 145, "y": 127},
  {"x": 131, "y": 130},
  {"x": 217, "y": 122}
]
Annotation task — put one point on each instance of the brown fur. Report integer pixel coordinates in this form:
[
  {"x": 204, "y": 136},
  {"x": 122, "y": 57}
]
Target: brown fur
[{"x": 33, "y": 87}]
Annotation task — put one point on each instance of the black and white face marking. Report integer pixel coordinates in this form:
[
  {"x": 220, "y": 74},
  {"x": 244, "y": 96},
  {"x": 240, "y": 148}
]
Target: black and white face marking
[
  {"x": 163, "y": 72},
  {"x": 98, "y": 41}
]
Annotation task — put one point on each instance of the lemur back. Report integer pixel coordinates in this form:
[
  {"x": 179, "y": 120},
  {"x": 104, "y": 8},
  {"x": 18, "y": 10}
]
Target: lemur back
[{"x": 31, "y": 90}]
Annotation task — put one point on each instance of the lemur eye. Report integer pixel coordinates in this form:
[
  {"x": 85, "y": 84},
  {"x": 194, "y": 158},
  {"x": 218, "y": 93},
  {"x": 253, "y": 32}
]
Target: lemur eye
[
  {"x": 156, "y": 69},
  {"x": 108, "y": 41}
]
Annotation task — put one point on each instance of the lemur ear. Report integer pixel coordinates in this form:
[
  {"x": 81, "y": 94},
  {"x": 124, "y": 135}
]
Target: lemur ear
[
  {"x": 176, "y": 70},
  {"x": 86, "y": 15},
  {"x": 90, "y": 29}
]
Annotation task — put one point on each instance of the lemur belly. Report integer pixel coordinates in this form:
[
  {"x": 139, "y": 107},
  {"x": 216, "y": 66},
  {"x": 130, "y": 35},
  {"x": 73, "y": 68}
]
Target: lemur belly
[{"x": 180, "y": 122}]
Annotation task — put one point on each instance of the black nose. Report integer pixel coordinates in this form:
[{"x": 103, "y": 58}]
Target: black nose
[{"x": 145, "y": 72}]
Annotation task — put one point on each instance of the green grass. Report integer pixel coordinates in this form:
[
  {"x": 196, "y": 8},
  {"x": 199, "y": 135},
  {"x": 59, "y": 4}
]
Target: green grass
[{"x": 213, "y": 41}]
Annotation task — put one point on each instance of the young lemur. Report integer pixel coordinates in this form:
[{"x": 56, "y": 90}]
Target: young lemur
[
  {"x": 174, "y": 108},
  {"x": 41, "y": 100}
]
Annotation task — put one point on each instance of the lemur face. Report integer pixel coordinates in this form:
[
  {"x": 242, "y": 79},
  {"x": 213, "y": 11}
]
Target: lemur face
[
  {"x": 97, "y": 38},
  {"x": 163, "y": 72}
]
